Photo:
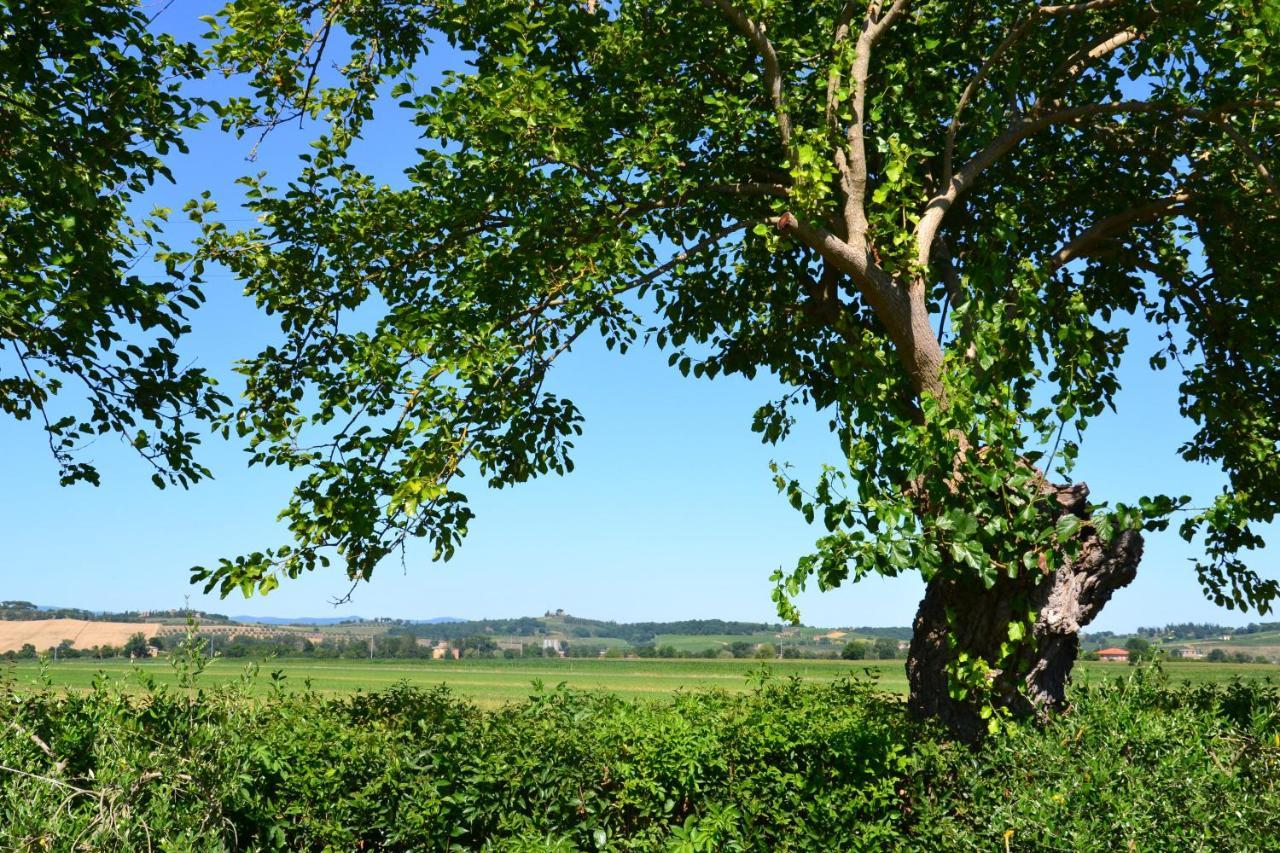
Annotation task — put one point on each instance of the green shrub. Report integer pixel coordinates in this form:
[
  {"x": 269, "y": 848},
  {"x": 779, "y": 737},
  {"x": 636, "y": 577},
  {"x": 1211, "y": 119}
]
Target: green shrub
[{"x": 789, "y": 766}]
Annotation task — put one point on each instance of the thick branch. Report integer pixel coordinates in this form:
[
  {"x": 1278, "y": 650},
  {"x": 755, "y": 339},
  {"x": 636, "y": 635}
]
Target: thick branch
[
  {"x": 876, "y": 286},
  {"x": 901, "y": 311},
  {"x": 1085, "y": 57},
  {"x": 854, "y": 169},
  {"x": 1095, "y": 235}
]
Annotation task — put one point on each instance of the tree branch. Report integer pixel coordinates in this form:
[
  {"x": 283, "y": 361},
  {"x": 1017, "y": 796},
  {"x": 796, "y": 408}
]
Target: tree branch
[
  {"x": 752, "y": 188},
  {"x": 876, "y": 286},
  {"x": 37, "y": 397},
  {"x": 1247, "y": 150},
  {"x": 1083, "y": 58},
  {"x": 854, "y": 170},
  {"x": 1020, "y": 29},
  {"x": 755, "y": 33},
  {"x": 1025, "y": 126},
  {"x": 1093, "y": 236}
]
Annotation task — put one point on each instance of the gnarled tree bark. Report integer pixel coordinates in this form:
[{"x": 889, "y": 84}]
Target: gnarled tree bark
[{"x": 1064, "y": 600}]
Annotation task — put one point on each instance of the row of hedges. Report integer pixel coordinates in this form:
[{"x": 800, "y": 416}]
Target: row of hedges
[{"x": 1137, "y": 765}]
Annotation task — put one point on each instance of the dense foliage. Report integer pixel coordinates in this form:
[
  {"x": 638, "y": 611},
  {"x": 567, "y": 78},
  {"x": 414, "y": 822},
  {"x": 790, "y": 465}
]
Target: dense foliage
[
  {"x": 785, "y": 767},
  {"x": 1002, "y": 163}
]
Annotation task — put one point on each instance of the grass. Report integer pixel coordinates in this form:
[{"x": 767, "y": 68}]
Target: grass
[
  {"x": 487, "y": 682},
  {"x": 490, "y": 683}
]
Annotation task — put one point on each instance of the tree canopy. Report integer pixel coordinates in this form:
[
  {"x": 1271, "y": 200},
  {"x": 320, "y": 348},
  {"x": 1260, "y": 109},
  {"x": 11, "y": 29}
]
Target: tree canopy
[
  {"x": 91, "y": 102},
  {"x": 933, "y": 221}
]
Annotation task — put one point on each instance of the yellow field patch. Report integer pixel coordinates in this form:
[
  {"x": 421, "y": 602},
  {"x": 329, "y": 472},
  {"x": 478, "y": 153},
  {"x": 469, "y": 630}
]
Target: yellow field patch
[{"x": 44, "y": 634}]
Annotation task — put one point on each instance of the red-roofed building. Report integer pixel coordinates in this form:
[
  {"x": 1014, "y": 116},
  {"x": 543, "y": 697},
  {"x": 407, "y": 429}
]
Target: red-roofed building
[{"x": 1121, "y": 655}]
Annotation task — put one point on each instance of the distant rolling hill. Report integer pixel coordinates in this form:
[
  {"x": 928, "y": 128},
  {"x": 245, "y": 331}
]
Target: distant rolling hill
[
  {"x": 331, "y": 620},
  {"x": 296, "y": 620}
]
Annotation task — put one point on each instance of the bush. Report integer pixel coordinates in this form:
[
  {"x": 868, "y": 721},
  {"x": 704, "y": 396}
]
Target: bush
[{"x": 787, "y": 766}]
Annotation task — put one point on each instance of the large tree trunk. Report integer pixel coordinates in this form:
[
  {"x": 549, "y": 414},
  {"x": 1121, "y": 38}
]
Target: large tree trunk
[{"x": 1065, "y": 601}]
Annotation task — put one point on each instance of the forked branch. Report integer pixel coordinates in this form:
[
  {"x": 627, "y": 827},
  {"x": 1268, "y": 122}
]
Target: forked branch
[
  {"x": 1023, "y": 127},
  {"x": 1035, "y": 15},
  {"x": 853, "y": 161}
]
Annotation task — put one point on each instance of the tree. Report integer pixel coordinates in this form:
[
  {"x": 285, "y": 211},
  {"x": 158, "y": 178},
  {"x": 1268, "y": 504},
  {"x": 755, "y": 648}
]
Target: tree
[
  {"x": 854, "y": 650},
  {"x": 1139, "y": 649},
  {"x": 90, "y": 102},
  {"x": 934, "y": 222},
  {"x": 884, "y": 649},
  {"x": 1216, "y": 656},
  {"x": 136, "y": 645}
]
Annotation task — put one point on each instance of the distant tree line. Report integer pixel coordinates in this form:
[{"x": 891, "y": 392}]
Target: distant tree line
[
  {"x": 634, "y": 633},
  {"x": 882, "y": 648},
  {"x": 525, "y": 626},
  {"x": 1206, "y": 630},
  {"x": 900, "y": 633},
  {"x": 405, "y": 647},
  {"x": 26, "y": 611}
]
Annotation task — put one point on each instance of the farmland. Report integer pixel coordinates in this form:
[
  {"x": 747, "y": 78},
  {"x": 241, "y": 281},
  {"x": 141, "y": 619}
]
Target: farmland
[
  {"x": 486, "y": 682},
  {"x": 47, "y": 633},
  {"x": 490, "y": 683}
]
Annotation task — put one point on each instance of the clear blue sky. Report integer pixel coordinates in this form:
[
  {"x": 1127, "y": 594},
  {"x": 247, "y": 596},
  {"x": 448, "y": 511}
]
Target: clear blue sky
[{"x": 670, "y": 513}]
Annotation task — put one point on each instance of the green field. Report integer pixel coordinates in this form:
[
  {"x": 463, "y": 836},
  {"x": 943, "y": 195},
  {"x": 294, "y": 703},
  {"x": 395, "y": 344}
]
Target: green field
[
  {"x": 487, "y": 682},
  {"x": 493, "y": 682}
]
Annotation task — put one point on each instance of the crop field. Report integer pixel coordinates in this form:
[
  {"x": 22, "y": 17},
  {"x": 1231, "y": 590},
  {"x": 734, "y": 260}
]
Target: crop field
[
  {"x": 46, "y": 633},
  {"x": 486, "y": 682},
  {"x": 493, "y": 682}
]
